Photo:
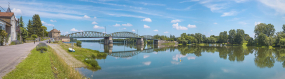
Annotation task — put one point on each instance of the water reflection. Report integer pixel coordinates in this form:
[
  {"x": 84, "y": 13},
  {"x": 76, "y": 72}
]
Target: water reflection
[{"x": 264, "y": 57}]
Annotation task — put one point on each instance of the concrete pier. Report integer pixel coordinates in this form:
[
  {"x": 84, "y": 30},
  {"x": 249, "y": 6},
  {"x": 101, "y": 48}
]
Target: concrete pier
[
  {"x": 140, "y": 41},
  {"x": 108, "y": 41}
]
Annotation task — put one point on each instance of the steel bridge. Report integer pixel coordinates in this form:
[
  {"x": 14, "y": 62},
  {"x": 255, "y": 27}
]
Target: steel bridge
[
  {"x": 108, "y": 38},
  {"x": 95, "y": 34}
]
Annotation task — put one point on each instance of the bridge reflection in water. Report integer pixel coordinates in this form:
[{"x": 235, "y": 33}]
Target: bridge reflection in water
[{"x": 129, "y": 53}]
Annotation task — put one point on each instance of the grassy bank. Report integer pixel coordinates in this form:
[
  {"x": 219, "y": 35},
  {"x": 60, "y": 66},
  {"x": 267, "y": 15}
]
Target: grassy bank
[
  {"x": 168, "y": 44},
  {"x": 46, "y": 65},
  {"x": 87, "y": 56}
]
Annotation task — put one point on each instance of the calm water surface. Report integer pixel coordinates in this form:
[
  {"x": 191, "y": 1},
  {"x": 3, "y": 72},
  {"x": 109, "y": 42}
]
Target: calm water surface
[{"x": 152, "y": 62}]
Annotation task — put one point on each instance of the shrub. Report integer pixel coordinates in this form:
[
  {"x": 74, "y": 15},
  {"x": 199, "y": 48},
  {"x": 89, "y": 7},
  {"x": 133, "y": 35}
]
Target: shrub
[
  {"x": 93, "y": 56},
  {"x": 55, "y": 41},
  {"x": 42, "y": 48},
  {"x": 93, "y": 63},
  {"x": 78, "y": 43},
  {"x": 13, "y": 43}
]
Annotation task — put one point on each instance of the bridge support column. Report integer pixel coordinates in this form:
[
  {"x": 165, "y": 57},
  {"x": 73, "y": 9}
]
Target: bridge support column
[
  {"x": 140, "y": 41},
  {"x": 108, "y": 41},
  {"x": 155, "y": 41}
]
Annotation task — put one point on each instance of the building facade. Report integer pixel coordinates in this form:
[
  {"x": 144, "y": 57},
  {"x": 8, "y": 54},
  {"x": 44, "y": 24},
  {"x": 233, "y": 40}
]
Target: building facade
[
  {"x": 54, "y": 34},
  {"x": 10, "y": 25}
]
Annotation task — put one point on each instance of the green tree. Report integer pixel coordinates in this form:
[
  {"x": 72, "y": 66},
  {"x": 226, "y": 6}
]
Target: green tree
[
  {"x": 262, "y": 39},
  {"x": 30, "y": 28},
  {"x": 283, "y": 28},
  {"x": 37, "y": 25},
  {"x": 78, "y": 43},
  {"x": 43, "y": 31},
  {"x": 268, "y": 30},
  {"x": 34, "y": 36},
  {"x": 239, "y": 36},
  {"x": 250, "y": 42},
  {"x": 199, "y": 38},
  {"x": 232, "y": 34},
  {"x": 269, "y": 41},
  {"x": 282, "y": 42},
  {"x": 24, "y": 33},
  {"x": 223, "y": 37},
  {"x": 3, "y": 36}
]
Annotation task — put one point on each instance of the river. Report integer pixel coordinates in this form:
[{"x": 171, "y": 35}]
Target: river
[{"x": 130, "y": 61}]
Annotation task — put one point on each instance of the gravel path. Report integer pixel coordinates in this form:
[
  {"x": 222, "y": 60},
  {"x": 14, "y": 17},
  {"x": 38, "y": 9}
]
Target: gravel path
[
  {"x": 69, "y": 59},
  {"x": 11, "y": 56}
]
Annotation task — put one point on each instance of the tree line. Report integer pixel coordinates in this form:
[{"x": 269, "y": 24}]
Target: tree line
[{"x": 34, "y": 28}]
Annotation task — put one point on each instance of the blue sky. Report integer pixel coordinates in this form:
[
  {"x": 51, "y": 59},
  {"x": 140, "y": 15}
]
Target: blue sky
[{"x": 150, "y": 17}]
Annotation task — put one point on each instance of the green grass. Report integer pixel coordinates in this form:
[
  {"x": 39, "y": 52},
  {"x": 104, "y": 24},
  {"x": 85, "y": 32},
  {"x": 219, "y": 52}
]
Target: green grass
[
  {"x": 168, "y": 43},
  {"x": 82, "y": 54},
  {"x": 46, "y": 65}
]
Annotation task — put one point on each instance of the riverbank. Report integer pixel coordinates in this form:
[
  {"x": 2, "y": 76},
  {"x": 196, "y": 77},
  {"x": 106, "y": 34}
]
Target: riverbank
[
  {"x": 87, "y": 56},
  {"x": 46, "y": 65}
]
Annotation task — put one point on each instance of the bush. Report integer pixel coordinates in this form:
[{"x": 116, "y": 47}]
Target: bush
[
  {"x": 55, "y": 41},
  {"x": 78, "y": 43},
  {"x": 13, "y": 43},
  {"x": 41, "y": 46},
  {"x": 93, "y": 63},
  {"x": 93, "y": 56}
]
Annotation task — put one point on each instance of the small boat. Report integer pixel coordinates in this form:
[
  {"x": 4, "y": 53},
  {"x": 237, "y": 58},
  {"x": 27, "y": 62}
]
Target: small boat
[{"x": 71, "y": 50}]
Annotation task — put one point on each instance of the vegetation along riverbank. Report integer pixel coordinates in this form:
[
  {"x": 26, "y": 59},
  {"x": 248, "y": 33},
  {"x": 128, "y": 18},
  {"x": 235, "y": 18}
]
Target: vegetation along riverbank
[
  {"x": 87, "y": 56},
  {"x": 47, "y": 65}
]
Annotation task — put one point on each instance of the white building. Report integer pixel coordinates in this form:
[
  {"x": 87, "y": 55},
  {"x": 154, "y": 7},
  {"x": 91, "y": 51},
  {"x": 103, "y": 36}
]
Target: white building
[{"x": 9, "y": 22}]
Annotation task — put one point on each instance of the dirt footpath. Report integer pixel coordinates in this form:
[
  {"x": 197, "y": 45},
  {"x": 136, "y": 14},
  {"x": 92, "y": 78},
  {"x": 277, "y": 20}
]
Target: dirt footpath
[{"x": 69, "y": 59}]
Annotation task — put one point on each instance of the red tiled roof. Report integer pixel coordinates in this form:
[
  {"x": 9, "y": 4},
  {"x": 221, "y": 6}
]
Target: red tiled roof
[
  {"x": 6, "y": 14},
  {"x": 54, "y": 30}
]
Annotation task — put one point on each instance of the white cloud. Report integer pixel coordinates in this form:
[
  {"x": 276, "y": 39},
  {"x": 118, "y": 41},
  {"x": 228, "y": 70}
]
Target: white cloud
[
  {"x": 124, "y": 28},
  {"x": 155, "y": 30},
  {"x": 191, "y": 57},
  {"x": 211, "y": 30},
  {"x": 191, "y": 26},
  {"x": 95, "y": 17},
  {"x": 231, "y": 13},
  {"x": 128, "y": 58},
  {"x": 145, "y": 56},
  {"x": 215, "y": 23},
  {"x": 81, "y": 30},
  {"x": 175, "y": 62},
  {"x": 277, "y": 5},
  {"x": 128, "y": 24},
  {"x": 133, "y": 30},
  {"x": 97, "y": 27},
  {"x": 94, "y": 22},
  {"x": 255, "y": 23},
  {"x": 16, "y": 11},
  {"x": 240, "y": 1},
  {"x": 176, "y": 26},
  {"x": 243, "y": 23},
  {"x": 53, "y": 21},
  {"x": 165, "y": 32},
  {"x": 225, "y": 70},
  {"x": 46, "y": 24},
  {"x": 117, "y": 25},
  {"x": 85, "y": 16},
  {"x": 74, "y": 30},
  {"x": 146, "y": 26},
  {"x": 177, "y": 56},
  {"x": 175, "y": 21},
  {"x": 147, "y": 19},
  {"x": 147, "y": 63}
]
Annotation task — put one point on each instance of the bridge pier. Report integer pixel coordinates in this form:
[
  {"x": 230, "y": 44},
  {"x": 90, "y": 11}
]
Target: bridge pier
[
  {"x": 155, "y": 41},
  {"x": 140, "y": 47},
  {"x": 108, "y": 41},
  {"x": 140, "y": 41}
]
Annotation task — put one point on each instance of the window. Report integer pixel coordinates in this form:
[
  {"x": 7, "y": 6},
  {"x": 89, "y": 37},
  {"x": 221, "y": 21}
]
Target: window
[{"x": 2, "y": 26}]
